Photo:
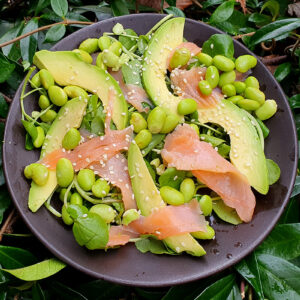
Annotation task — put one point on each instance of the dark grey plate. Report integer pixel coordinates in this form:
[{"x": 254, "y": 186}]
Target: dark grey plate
[{"x": 127, "y": 265}]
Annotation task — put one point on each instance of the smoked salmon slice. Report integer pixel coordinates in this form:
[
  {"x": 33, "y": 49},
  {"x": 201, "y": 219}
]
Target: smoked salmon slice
[
  {"x": 171, "y": 221},
  {"x": 115, "y": 170},
  {"x": 184, "y": 151},
  {"x": 120, "y": 235},
  {"x": 185, "y": 85},
  {"x": 134, "y": 94}
]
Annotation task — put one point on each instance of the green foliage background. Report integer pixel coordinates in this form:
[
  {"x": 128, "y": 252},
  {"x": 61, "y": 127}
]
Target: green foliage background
[{"x": 269, "y": 28}]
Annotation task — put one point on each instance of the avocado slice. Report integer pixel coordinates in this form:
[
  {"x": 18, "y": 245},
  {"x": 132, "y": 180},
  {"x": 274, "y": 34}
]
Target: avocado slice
[
  {"x": 148, "y": 198},
  {"x": 69, "y": 116},
  {"x": 165, "y": 39},
  {"x": 68, "y": 68},
  {"x": 246, "y": 152}
]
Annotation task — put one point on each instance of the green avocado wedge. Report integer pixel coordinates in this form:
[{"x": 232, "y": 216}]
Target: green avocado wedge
[
  {"x": 246, "y": 152},
  {"x": 69, "y": 116},
  {"x": 148, "y": 198},
  {"x": 167, "y": 37},
  {"x": 68, "y": 68}
]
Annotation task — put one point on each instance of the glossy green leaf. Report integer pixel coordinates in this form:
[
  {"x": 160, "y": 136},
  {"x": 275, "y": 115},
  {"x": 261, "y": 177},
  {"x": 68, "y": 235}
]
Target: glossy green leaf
[
  {"x": 62, "y": 291},
  {"x": 6, "y": 68},
  {"x": 28, "y": 45},
  {"x": 55, "y": 33},
  {"x": 37, "y": 292},
  {"x": 292, "y": 212},
  {"x": 171, "y": 177},
  {"x": 296, "y": 189},
  {"x": 234, "y": 23},
  {"x": 149, "y": 294},
  {"x": 153, "y": 245},
  {"x": 38, "y": 271},
  {"x": 42, "y": 4},
  {"x": 210, "y": 3},
  {"x": 248, "y": 268},
  {"x": 274, "y": 30},
  {"x": 220, "y": 290},
  {"x": 4, "y": 203},
  {"x": 294, "y": 101},
  {"x": 283, "y": 71},
  {"x": 13, "y": 257},
  {"x": 219, "y": 44},
  {"x": 226, "y": 213},
  {"x": 273, "y": 7},
  {"x": 280, "y": 278},
  {"x": 119, "y": 8},
  {"x": 174, "y": 11},
  {"x": 273, "y": 171},
  {"x": 60, "y": 7},
  {"x": 222, "y": 13},
  {"x": 284, "y": 241},
  {"x": 259, "y": 19}
]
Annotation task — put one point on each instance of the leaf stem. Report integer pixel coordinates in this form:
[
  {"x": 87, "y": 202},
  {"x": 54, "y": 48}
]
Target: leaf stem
[
  {"x": 64, "y": 22},
  {"x": 8, "y": 222}
]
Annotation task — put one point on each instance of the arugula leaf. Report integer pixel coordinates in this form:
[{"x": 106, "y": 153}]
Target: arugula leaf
[
  {"x": 153, "y": 245},
  {"x": 171, "y": 177},
  {"x": 284, "y": 242},
  {"x": 273, "y": 171},
  {"x": 38, "y": 271},
  {"x": 219, "y": 44},
  {"x": 248, "y": 268}
]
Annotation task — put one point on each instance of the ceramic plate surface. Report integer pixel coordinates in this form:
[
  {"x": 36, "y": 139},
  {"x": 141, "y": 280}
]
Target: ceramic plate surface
[{"x": 127, "y": 265}]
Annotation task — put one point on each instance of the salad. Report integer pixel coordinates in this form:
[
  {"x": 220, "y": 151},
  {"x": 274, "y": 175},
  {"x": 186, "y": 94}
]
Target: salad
[{"x": 144, "y": 137}]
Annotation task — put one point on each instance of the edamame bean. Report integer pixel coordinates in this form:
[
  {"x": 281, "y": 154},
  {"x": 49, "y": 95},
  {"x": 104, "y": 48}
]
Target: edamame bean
[
  {"x": 267, "y": 110},
  {"x": 235, "y": 99},
  {"x": 245, "y": 62},
  {"x": 223, "y": 63},
  {"x": 187, "y": 188},
  {"x": 76, "y": 199},
  {"x": 86, "y": 179},
  {"x": 248, "y": 104},
  {"x": 212, "y": 76},
  {"x": 64, "y": 172},
  {"x": 227, "y": 77},
  {"x": 204, "y": 59},
  {"x": 28, "y": 170},
  {"x": 62, "y": 195},
  {"x": 44, "y": 102},
  {"x": 110, "y": 59},
  {"x": 143, "y": 138},
  {"x": 57, "y": 95},
  {"x": 65, "y": 216},
  {"x": 71, "y": 139},
  {"x": 104, "y": 42},
  {"x": 100, "y": 63},
  {"x": 180, "y": 58},
  {"x": 138, "y": 122},
  {"x": 89, "y": 45},
  {"x": 36, "y": 81},
  {"x": 46, "y": 78},
  {"x": 106, "y": 212},
  {"x": 48, "y": 116},
  {"x": 100, "y": 188},
  {"x": 155, "y": 162},
  {"x": 204, "y": 87},
  {"x": 116, "y": 48},
  {"x": 187, "y": 106},
  {"x": 39, "y": 139},
  {"x": 40, "y": 174},
  {"x": 118, "y": 29},
  {"x": 251, "y": 81},
  {"x": 255, "y": 94},
  {"x": 74, "y": 91},
  {"x": 170, "y": 123},
  {"x": 205, "y": 203},
  {"x": 239, "y": 86},
  {"x": 208, "y": 235},
  {"x": 196, "y": 128},
  {"x": 228, "y": 90},
  {"x": 129, "y": 216},
  {"x": 171, "y": 195},
  {"x": 85, "y": 56},
  {"x": 156, "y": 119}
]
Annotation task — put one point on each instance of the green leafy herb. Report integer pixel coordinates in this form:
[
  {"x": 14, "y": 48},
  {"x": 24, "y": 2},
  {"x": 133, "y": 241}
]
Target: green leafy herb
[
  {"x": 219, "y": 44},
  {"x": 226, "y": 213},
  {"x": 171, "y": 177},
  {"x": 37, "y": 271},
  {"x": 273, "y": 171},
  {"x": 131, "y": 72},
  {"x": 151, "y": 244}
]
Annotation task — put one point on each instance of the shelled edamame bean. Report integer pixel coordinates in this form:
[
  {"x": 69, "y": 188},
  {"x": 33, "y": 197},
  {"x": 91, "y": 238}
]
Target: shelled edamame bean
[
  {"x": 187, "y": 106},
  {"x": 180, "y": 57},
  {"x": 86, "y": 179},
  {"x": 171, "y": 195}
]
